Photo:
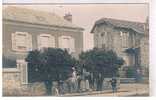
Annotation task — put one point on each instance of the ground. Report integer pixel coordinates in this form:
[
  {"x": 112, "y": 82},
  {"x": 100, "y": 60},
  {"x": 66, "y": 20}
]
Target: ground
[{"x": 132, "y": 89}]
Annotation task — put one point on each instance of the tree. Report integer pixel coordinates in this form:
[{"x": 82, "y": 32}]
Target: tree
[
  {"x": 101, "y": 63},
  {"x": 48, "y": 65}
]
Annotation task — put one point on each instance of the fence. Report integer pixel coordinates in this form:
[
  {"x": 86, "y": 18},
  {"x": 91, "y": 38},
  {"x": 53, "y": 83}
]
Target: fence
[{"x": 15, "y": 79}]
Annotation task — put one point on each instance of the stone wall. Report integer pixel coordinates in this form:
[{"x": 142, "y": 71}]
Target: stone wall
[
  {"x": 145, "y": 55},
  {"x": 13, "y": 85},
  {"x": 11, "y": 80}
]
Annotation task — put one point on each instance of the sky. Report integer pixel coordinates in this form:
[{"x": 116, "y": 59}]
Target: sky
[{"x": 85, "y": 15}]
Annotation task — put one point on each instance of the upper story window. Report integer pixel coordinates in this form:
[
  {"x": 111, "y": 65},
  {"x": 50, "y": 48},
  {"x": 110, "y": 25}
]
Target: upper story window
[
  {"x": 124, "y": 39},
  {"x": 21, "y": 41},
  {"x": 103, "y": 39},
  {"x": 45, "y": 41},
  {"x": 68, "y": 43}
]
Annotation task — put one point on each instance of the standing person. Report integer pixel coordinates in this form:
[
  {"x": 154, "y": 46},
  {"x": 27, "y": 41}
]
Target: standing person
[
  {"x": 74, "y": 80},
  {"x": 113, "y": 84},
  {"x": 60, "y": 87}
]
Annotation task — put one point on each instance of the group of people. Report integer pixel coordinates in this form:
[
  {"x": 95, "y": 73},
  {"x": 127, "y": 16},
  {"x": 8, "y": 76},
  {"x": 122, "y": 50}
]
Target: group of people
[{"x": 77, "y": 83}]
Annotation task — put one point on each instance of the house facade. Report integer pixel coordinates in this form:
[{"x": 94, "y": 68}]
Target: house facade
[
  {"x": 25, "y": 30},
  {"x": 144, "y": 49},
  {"x": 123, "y": 37}
]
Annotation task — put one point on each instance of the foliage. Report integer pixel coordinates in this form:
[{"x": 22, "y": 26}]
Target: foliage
[
  {"x": 131, "y": 72},
  {"x": 49, "y": 64},
  {"x": 101, "y": 61}
]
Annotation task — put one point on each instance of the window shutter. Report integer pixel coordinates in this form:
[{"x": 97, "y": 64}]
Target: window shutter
[
  {"x": 60, "y": 42},
  {"x": 13, "y": 36},
  {"x": 29, "y": 42},
  {"x": 52, "y": 41},
  {"x": 39, "y": 42},
  {"x": 72, "y": 45}
]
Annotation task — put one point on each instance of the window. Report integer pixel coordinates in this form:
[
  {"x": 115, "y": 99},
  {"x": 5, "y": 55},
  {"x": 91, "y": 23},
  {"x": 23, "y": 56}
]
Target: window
[
  {"x": 68, "y": 43},
  {"x": 103, "y": 39},
  {"x": 103, "y": 46},
  {"x": 124, "y": 39},
  {"x": 8, "y": 62},
  {"x": 96, "y": 39},
  {"x": 21, "y": 41},
  {"x": 45, "y": 41}
]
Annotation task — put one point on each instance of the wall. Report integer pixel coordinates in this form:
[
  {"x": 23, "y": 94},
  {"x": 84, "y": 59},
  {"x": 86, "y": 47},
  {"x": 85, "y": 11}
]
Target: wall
[
  {"x": 135, "y": 40},
  {"x": 145, "y": 55},
  {"x": 115, "y": 43},
  {"x": 13, "y": 84},
  {"x": 12, "y": 77},
  {"x": 11, "y": 27},
  {"x": 11, "y": 80}
]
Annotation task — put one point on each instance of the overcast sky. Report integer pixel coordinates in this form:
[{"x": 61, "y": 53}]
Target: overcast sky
[{"x": 85, "y": 15}]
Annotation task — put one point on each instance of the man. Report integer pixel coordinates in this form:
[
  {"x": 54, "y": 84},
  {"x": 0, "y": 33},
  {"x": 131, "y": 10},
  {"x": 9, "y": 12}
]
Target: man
[
  {"x": 74, "y": 81},
  {"x": 113, "y": 84}
]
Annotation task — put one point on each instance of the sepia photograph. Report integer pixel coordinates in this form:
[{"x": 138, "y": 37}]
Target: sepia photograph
[{"x": 77, "y": 49}]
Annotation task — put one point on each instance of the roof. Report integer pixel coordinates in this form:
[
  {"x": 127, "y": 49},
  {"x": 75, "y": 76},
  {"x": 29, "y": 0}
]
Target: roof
[
  {"x": 35, "y": 17},
  {"x": 136, "y": 26}
]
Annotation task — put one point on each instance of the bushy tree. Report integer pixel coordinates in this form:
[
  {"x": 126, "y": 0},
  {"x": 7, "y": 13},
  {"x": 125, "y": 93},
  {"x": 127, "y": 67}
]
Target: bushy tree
[
  {"x": 48, "y": 65},
  {"x": 100, "y": 63}
]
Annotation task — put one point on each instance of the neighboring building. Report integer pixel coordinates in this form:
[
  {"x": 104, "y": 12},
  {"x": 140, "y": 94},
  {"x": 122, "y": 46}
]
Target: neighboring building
[
  {"x": 25, "y": 30},
  {"x": 123, "y": 37},
  {"x": 144, "y": 45}
]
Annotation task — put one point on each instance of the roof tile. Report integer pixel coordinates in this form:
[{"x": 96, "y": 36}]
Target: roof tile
[
  {"x": 136, "y": 26},
  {"x": 35, "y": 17}
]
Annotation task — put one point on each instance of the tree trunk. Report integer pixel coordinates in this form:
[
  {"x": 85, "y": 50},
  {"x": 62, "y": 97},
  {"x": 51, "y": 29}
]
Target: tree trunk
[{"x": 48, "y": 85}]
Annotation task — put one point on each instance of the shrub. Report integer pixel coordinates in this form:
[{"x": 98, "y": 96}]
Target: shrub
[{"x": 131, "y": 72}]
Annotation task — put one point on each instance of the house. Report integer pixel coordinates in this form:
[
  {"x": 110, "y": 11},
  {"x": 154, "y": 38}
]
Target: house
[
  {"x": 27, "y": 29},
  {"x": 123, "y": 37},
  {"x": 144, "y": 50}
]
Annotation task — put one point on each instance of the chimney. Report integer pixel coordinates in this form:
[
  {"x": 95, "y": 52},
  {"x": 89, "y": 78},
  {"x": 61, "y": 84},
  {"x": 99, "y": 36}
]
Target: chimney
[{"x": 68, "y": 17}]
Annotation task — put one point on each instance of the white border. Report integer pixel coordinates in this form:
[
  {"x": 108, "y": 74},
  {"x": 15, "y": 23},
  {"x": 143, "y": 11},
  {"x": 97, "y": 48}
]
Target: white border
[
  {"x": 152, "y": 41},
  {"x": 0, "y": 48}
]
